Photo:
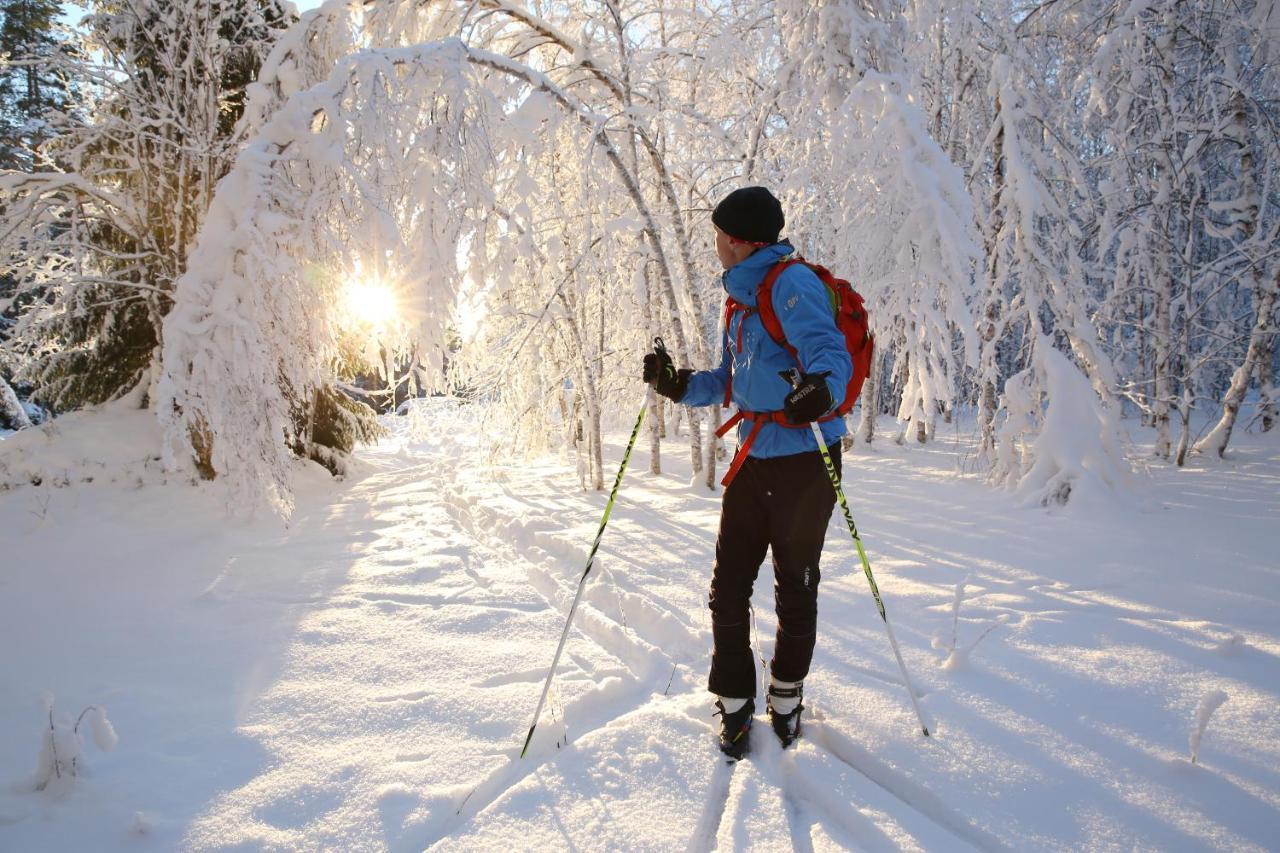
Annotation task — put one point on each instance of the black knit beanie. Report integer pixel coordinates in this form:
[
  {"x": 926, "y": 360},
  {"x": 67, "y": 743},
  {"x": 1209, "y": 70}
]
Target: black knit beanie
[{"x": 750, "y": 214}]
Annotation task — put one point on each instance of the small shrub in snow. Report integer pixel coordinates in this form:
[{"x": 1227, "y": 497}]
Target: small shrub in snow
[
  {"x": 62, "y": 744},
  {"x": 1210, "y": 703}
]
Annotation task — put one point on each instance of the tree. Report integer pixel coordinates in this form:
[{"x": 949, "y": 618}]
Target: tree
[
  {"x": 32, "y": 86},
  {"x": 1036, "y": 277},
  {"x": 877, "y": 196},
  {"x": 556, "y": 163},
  {"x": 99, "y": 235},
  {"x": 12, "y": 414}
]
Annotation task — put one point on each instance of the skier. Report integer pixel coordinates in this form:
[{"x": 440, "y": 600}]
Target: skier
[{"x": 777, "y": 493}]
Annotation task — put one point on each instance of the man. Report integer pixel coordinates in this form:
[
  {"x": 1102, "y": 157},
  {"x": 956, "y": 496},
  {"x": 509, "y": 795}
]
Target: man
[{"x": 778, "y": 494}]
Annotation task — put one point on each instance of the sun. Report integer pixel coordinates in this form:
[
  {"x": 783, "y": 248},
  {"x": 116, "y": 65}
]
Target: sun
[{"x": 371, "y": 304}]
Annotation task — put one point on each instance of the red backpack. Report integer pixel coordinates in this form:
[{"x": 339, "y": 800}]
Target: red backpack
[{"x": 851, "y": 319}]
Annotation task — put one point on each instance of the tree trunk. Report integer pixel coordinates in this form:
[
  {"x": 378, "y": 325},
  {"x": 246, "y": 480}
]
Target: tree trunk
[
  {"x": 12, "y": 415},
  {"x": 712, "y": 446},
  {"x": 1188, "y": 374},
  {"x": 1264, "y": 305},
  {"x": 1162, "y": 297},
  {"x": 991, "y": 310},
  {"x": 1184, "y": 420},
  {"x": 1161, "y": 364},
  {"x": 1264, "y": 301},
  {"x": 1266, "y": 383},
  {"x": 596, "y": 447},
  {"x": 655, "y": 406},
  {"x": 871, "y": 399}
]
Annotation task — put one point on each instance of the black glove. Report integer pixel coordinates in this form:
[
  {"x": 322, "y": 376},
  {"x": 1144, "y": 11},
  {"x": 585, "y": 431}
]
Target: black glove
[
  {"x": 660, "y": 372},
  {"x": 808, "y": 400}
]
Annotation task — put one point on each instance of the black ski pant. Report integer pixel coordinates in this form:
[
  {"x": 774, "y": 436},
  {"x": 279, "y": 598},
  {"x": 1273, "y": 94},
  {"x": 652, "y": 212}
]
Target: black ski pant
[{"x": 783, "y": 504}]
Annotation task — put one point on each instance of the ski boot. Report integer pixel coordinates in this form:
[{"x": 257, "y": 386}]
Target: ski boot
[
  {"x": 734, "y": 726},
  {"x": 786, "y": 725}
]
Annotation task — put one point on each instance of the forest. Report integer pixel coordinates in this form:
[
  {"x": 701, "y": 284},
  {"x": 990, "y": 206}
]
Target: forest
[{"x": 1062, "y": 216}]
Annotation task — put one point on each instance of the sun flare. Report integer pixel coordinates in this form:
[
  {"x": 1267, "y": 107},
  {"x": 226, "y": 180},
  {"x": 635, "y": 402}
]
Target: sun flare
[{"x": 371, "y": 304}]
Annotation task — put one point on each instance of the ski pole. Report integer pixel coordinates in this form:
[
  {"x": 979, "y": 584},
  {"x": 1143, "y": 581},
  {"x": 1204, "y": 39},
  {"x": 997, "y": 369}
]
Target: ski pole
[
  {"x": 608, "y": 508},
  {"x": 793, "y": 377}
]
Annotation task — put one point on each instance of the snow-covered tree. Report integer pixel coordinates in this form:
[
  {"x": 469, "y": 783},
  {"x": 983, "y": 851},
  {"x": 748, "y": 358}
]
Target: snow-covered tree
[
  {"x": 1035, "y": 292},
  {"x": 32, "y": 85},
  {"x": 12, "y": 414},
  {"x": 365, "y": 179},
  {"x": 1187, "y": 142},
  {"x": 1246, "y": 217},
  {"x": 879, "y": 200},
  {"x": 608, "y": 179},
  {"x": 1052, "y": 211},
  {"x": 98, "y": 234}
]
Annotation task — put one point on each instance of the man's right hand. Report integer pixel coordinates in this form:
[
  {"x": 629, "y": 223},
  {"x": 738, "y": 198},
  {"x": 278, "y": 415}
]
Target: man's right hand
[{"x": 660, "y": 372}]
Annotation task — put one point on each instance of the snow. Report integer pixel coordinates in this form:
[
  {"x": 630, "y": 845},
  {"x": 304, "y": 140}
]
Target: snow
[
  {"x": 115, "y": 443},
  {"x": 363, "y": 678}
]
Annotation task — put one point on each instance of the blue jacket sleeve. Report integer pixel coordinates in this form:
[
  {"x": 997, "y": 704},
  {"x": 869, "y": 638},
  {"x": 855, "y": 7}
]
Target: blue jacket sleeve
[
  {"x": 706, "y": 387},
  {"x": 804, "y": 310}
]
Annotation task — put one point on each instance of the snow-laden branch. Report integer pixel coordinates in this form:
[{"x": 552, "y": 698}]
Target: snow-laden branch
[{"x": 257, "y": 322}]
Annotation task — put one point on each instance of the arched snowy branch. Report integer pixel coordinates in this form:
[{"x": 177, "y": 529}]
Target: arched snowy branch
[{"x": 369, "y": 173}]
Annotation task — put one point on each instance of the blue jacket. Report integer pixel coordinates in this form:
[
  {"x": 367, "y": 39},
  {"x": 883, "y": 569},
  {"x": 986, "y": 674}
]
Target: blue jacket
[{"x": 801, "y": 303}]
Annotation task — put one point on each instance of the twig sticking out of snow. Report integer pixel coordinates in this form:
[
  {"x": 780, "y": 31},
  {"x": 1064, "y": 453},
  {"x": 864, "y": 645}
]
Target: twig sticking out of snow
[
  {"x": 61, "y": 746},
  {"x": 957, "y": 657},
  {"x": 955, "y": 612},
  {"x": 104, "y": 734},
  {"x": 1210, "y": 703}
]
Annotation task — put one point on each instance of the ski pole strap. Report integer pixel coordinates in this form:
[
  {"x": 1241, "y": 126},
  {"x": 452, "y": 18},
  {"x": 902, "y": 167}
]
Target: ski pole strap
[{"x": 758, "y": 420}]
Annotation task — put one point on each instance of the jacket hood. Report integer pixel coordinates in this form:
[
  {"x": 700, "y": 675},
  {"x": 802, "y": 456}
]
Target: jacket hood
[{"x": 743, "y": 279}]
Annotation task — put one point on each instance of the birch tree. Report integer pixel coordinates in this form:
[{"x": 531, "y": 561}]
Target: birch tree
[{"x": 880, "y": 199}]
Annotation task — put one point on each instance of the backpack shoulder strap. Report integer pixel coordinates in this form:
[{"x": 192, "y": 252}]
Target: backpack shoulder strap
[{"x": 764, "y": 302}]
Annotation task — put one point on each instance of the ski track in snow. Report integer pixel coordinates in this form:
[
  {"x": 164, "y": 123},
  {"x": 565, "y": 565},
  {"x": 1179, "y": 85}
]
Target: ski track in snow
[
  {"x": 384, "y": 656},
  {"x": 900, "y": 786},
  {"x": 704, "y": 833}
]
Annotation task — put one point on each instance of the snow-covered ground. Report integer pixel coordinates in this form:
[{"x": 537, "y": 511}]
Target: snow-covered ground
[{"x": 363, "y": 678}]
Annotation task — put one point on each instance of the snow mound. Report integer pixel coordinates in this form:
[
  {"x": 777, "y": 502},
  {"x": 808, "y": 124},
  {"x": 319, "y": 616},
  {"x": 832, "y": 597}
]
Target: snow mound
[{"x": 113, "y": 443}]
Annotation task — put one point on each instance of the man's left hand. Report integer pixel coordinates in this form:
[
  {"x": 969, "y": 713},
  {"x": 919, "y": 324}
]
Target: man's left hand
[{"x": 809, "y": 400}]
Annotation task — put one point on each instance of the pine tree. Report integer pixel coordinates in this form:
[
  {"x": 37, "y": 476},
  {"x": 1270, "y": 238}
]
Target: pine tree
[{"x": 30, "y": 86}]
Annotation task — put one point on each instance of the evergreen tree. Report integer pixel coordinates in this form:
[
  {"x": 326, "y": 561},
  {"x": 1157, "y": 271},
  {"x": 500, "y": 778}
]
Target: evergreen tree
[{"x": 30, "y": 85}]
